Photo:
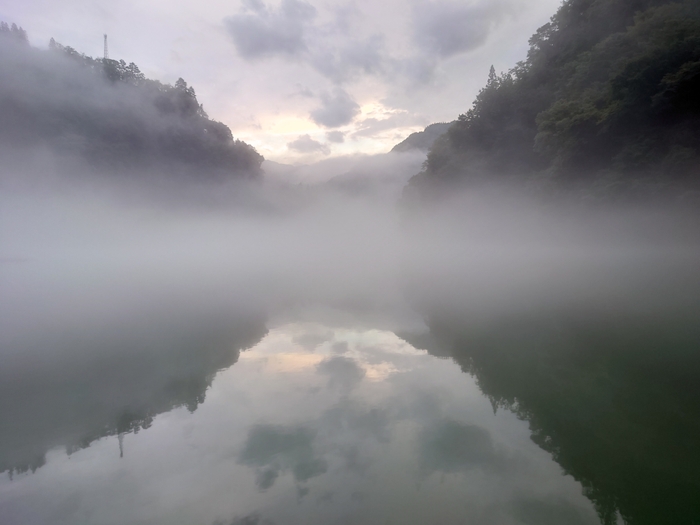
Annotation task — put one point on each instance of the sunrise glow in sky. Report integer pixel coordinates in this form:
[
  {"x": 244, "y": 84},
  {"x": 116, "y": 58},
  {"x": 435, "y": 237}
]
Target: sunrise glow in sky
[{"x": 304, "y": 80}]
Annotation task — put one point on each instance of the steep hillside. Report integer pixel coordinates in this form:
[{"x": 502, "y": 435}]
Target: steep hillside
[
  {"x": 608, "y": 97},
  {"x": 104, "y": 114}
]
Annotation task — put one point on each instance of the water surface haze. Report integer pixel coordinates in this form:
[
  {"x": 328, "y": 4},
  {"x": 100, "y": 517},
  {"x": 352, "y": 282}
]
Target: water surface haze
[{"x": 324, "y": 353}]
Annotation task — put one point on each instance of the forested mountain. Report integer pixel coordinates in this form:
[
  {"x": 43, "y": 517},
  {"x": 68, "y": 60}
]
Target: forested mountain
[
  {"x": 106, "y": 115},
  {"x": 608, "y": 98}
]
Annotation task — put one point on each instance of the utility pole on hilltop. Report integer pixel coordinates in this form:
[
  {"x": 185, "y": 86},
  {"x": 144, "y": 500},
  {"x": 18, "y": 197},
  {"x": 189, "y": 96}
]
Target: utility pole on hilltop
[{"x": 106, "y": 49}]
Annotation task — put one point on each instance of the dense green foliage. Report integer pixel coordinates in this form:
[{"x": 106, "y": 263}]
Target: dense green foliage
[
  {"x": 609, "y": 94},
  {"x": 108, "y": 115}
]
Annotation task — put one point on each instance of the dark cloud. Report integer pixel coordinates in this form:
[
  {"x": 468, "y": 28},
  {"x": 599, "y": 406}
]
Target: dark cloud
[
  {"x": 302, "y": 492},
  {"x": 446, "y": 27},
  {"x": 265, "y": 478},
  {"x": 276, "y": 449},
  {"x": 305, "y": 144},
  {"x": 260, "y": 32},
  {"x": 342, "y": 372},
  {"x": 354, "y": 57},
  {"x": 337, "y": 137},
  {"x": 337, "y": 109}
]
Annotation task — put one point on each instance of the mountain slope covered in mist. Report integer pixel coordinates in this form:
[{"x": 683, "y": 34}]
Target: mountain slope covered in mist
[
  {"x": 422, "y": 140},
  {"x": 609, "y": 94},
  {"x": 104, "y": 115}
]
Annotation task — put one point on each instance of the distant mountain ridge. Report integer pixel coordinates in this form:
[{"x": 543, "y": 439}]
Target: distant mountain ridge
[
  {"x": 107, "y": 116},
  {"x": 423, "y": 140}
]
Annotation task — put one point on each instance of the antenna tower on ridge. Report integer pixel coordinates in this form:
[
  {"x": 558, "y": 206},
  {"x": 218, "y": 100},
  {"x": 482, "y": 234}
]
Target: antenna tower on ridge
[{"x": 106, "y": 49}]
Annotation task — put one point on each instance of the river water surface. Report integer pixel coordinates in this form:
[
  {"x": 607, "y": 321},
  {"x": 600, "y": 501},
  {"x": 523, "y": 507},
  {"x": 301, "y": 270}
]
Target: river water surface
[{"x": 207, "y": 370}]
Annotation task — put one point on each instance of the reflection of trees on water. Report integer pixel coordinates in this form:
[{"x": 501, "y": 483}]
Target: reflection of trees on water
[
  {"x": 616, "y": 402},
  {"x": 95, "y": 388}
]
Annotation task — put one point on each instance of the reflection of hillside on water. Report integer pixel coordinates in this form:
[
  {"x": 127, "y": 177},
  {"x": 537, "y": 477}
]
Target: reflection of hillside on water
[
  {"x": 615, "y": 401},
  {"x": 77, "y": 389}
]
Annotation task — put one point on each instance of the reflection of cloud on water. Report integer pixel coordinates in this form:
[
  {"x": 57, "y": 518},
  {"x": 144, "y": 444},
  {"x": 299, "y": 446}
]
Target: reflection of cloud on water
[
  {"x": 356, "y": 420},
  {"x": 381, "y": 408},
  {"x": 312, "y": 338},
  {"x": 311, "y": 437},
  {"x": 342, "y": 372},
  {"x": 285, "y": 363},
  {"x": 276, "y": 449},
  {"x": 345, "y": 356},
  {"x": 451, "y": 446}
]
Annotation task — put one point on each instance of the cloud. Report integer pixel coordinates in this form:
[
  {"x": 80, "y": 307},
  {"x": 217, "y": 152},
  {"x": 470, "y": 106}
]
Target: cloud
[
  {"x": 353, "y": 57},
  {"x": 260, "y": 32},
  {"x": 342, "y": 372},
  {"x": 337, "y": 137},
  {"x": 311, "y": 339},
  {"x": 353, "y": 418},
  {"x": 331, "y": 49},
  {"x": 350, "y": 42},
  {"x": 451, "y": 446},
  {"x": 305, "y": 144},
  {"x": 337, "y": 109},
  {"x": 419, "y": 70},
  {"x": 276, "y": 449},
  {"x": 446, "y": 27},
  {"x": 303, "y": 92},
  {"x": 371, "y": 127}
]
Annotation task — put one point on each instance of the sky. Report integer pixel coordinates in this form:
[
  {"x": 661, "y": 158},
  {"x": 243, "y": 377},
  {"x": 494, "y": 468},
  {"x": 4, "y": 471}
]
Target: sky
[{"x": 304, "y": 80}]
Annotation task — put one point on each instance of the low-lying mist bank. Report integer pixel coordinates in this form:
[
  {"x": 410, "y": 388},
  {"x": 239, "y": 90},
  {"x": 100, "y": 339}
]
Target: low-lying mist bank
[
  {"x": 122, "y": 302},
  {"x": 272, "y": 244}
]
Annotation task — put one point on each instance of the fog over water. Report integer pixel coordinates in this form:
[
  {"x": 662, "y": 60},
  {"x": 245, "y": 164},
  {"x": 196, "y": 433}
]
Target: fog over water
[
  {"x": 209, "y": 358},
  {"x": 178, "y": 347},
  {"x": 504, "y": 332}
]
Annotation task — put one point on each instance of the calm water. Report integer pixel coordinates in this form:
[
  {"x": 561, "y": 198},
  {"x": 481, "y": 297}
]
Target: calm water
[
  {"x": 312, "y": 424},
  {"x": 286, "y": 380},
  {"x": 306, "y": 423}
]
